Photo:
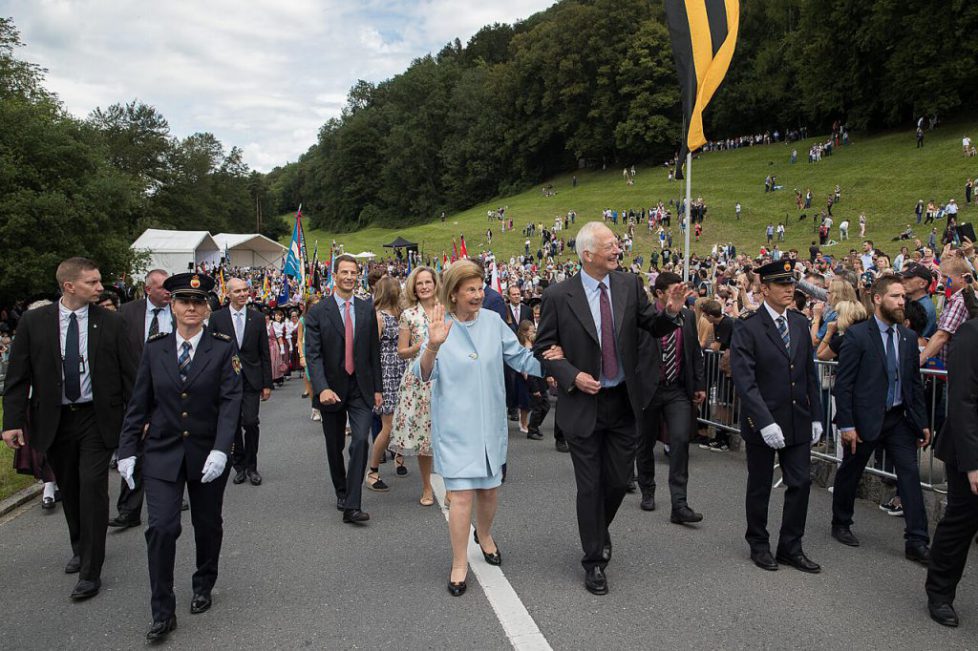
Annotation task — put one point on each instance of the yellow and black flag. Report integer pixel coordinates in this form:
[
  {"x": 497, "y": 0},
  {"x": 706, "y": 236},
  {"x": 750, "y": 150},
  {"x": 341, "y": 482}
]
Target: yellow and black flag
[{"x": 704, "y": 34}]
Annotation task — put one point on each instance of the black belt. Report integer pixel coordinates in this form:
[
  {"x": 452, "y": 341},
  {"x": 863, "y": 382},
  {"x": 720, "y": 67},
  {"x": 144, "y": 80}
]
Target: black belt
[{"x": 78, "y": 406}]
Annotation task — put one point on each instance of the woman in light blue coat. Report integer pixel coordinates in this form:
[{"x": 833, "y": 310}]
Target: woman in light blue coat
[{"x": 463, "y": 359}]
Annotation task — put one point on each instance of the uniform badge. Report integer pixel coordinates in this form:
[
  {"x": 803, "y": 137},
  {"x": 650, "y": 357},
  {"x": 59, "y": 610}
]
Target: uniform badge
[
  {"x": 236, "y": 365},
  {"x": 195, "y": 282},
  {"x": 787, "y": 266}
]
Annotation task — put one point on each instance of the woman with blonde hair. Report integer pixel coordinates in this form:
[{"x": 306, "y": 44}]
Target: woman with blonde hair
[
  {"x": 839, "y": 290},
  {"x": 411, "y": 424},
  {"x": 462, "y": 360},
  {"x": 850, "y": 312},
  {"x": 387, "y": 304}
]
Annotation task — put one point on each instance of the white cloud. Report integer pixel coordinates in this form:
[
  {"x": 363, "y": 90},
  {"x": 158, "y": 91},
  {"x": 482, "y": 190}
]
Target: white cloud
[{"x": 263, "y": 75}]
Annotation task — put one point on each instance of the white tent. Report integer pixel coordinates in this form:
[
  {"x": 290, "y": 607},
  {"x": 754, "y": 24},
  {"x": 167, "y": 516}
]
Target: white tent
[
  {"x": 365, "y": 255},
  {"x": 251, "y": 250},
  {"x": 178, "y": 251}
]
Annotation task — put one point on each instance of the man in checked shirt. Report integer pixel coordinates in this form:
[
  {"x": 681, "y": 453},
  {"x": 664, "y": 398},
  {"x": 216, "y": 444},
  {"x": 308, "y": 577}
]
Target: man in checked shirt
[{"x": 957, "y": 275}]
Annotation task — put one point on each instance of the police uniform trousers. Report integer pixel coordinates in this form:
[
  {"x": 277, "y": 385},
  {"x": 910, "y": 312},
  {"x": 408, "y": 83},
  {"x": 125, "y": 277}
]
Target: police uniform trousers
[
  {"x": 953, "y": 537},
  {"x": 163, "y": 500},
  {"x": 80, "y": 462},
  {"x": 245, "y": 454},
  {"x": 348, "y": 481},
  {"x": 603, "y": 462},
  {"x": 795, "y": 462},
  {"x": 672, "y": 406}
]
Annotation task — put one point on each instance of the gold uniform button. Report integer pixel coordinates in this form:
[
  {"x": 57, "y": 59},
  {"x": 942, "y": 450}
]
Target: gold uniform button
[
  {"x": 186, "y": 434},
  {"x": 183, "y": 396},
  {"x": 185, "y": 414}
]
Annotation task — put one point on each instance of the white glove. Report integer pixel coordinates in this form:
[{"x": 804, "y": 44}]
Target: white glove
[
  {"x": 816, "y": 432},
  {"x": 773, "y": 436},
  {"x": 214, "y": 466},
  {"x": 126, "y": 467}
]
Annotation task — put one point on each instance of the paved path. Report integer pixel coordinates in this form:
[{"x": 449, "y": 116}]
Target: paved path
[{"x": 294, "y": 576}]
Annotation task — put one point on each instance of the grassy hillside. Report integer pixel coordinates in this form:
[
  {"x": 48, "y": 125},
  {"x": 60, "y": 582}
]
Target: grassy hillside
[{"x": 883, "y": 176}]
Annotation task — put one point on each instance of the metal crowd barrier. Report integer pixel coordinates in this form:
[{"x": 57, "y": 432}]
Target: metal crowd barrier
[{"x": 721, "y": 411}]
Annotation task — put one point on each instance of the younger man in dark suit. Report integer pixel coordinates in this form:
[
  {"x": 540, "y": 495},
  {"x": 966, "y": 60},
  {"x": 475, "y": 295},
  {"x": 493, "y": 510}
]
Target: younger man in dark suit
[
  {"x": 879, "y": 401},
  {"x": 774, "y": 371},
  {"x": 343, "y": 357},
  {"x": 80, "y": 381}
]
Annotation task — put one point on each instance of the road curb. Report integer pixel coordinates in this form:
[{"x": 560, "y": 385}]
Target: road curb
[{"x": 20, "y": 497}]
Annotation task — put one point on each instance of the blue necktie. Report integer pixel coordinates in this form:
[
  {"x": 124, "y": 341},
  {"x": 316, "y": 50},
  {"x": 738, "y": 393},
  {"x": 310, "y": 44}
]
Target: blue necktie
[
  {"x": 183, "y": 362},
  {"x": 72, "y": 363},
  {"x": 891, "y": 369},
  {"x": 783, "y": 329}
]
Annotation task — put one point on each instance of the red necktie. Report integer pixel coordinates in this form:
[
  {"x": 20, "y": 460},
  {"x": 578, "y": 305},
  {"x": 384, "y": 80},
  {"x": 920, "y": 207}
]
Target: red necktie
[{"x": 348, "y": 337}]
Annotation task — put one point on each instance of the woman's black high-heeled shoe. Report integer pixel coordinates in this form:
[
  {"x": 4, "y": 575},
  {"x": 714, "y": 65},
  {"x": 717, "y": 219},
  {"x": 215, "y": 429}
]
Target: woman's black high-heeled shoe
[
  {"x": 456, "y": 589},
  {"x": 494, "y": 558}
]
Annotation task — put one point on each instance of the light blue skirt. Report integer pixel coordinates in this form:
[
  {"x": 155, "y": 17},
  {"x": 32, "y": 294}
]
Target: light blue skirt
[{"x": 474, "y": 483}]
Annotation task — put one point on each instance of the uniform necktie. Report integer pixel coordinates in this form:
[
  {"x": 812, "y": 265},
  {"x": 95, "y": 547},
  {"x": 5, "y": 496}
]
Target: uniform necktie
[
  {"x": 891, "y": 369},
  {"x": 669, "y": 365},
  {"x": 609, "y": 359},
  {"x": 154, "y": 325},
  {"x": 239, "y": 327},
  {"x": 183, "y": 362},
  {"x": 72, "y": 363},
  {"x": 783, "y": 329},
  {"x": 348, "y": 337}
]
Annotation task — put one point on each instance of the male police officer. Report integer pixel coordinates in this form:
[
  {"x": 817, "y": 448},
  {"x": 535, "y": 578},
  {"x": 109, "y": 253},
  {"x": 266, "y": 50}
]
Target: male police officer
[
  {"x": 189, "y": 391},
  {"x": 774, "y": 371}
]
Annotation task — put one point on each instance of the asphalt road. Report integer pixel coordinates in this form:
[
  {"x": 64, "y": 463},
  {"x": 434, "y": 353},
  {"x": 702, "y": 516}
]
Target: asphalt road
[{"x": 294, "y": 576}]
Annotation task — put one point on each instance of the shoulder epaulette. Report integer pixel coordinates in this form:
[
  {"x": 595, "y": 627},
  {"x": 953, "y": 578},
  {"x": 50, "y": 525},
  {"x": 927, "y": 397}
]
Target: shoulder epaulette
[
  {"x": 749, "y": 314},
  {"x": 221, "y": 336},
  {"x": 157, "y": 336}
]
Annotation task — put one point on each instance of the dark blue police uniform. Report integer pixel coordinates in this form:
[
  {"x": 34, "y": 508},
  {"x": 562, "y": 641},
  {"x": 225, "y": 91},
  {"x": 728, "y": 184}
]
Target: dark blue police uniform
[
  {"x": 188, "y": 418},
  {"x": 776, "y": 384}
]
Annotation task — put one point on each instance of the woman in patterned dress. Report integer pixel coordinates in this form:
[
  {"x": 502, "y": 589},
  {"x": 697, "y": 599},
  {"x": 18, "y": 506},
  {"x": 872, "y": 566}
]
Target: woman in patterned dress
[
  {"x": 411, "y": 433},
  {"x": 387, "y": 303}
]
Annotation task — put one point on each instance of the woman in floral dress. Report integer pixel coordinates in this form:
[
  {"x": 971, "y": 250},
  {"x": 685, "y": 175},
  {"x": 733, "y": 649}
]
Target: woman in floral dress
[
  {"x": 387, "y": 303},
  {"x": 411, "y": 433},
  {"x": 274, "y": 351}
]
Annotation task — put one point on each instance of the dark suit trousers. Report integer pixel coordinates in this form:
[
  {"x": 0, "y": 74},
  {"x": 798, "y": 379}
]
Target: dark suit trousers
[
  {"x": 672, "y": 405},
  {"x": 348, "y": 482},
  {"x": 603, "y": 462},
  {"x": 245, "y": 455},
  {"x": 539, "y": 408},
  {"x": 952, "y": 538},
  {"x": 130, "y": 503},
  {"x": 163, "y": 500},
  {"x": 795, "y": 463},
  {"x": 898, "y": 440},
  {"x": 80, "y": 462}
]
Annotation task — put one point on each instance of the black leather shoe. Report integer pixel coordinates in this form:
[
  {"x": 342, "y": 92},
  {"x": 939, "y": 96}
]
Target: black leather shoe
[
  {"x": 800, "y": 562},
  {"x": 355, "y": 516},
  {"x": 595, "y": 581},
  {"x": 534, "y": 436},
  {"x": 648, "y": 501},
  {"x": 73, "y": 566},
  {"x": 919, "y": 553},
  {"x": 685, "y": 515},
  {"x": 159, "y": 630},
  {"x": 340, "y": 503},
  {"x": 943, "y": 614},
  {"x": 456, "y": 589},
  {"x": 47, "y": 503},
  {"x": 764, "y": 560},
  {"x": 86, "y": 589},
  {"x": 606, "y": 552},
  {"x": 254, "y": 477},
  {"x": 200, "y": 603},
  {"x": 120, "y": 522},
  {"x": 239, "y": 477},
  {"x": 562, "y": 446},
  {"x": 844, "y": 536}
]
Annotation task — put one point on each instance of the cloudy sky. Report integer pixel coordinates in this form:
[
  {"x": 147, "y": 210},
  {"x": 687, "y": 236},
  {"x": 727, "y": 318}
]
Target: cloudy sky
[{"x": 260, "y": 74}]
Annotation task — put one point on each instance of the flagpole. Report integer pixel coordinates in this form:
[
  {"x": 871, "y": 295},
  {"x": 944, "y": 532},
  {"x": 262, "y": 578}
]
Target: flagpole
[{"x": 689, "y": 187}]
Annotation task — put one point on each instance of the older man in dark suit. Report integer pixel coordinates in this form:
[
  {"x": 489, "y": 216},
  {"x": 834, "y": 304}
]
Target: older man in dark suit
[
  {"x": 879, "y": 400},
  {"x": 69, "y": 377},
  {"x": 957, "y": 447},
  {"x": 246, "y": 326},
  {"x": 774, "y": 371},
  {"x": 144, "y": 318},
  {"x": 594, "y": 317},
  {"x": 343, "y": 357}
]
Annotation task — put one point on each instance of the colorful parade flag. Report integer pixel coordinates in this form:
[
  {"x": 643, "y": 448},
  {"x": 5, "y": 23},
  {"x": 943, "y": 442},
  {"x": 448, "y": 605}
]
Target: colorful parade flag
[{"x": 462, "y": 250}]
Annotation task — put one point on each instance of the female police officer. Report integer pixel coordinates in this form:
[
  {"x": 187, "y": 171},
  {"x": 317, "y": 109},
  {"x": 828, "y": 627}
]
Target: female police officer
[{"x": 186, "y": 399}]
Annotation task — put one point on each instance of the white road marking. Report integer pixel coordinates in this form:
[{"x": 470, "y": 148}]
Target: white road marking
[{"x": 522, "y": 631}]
